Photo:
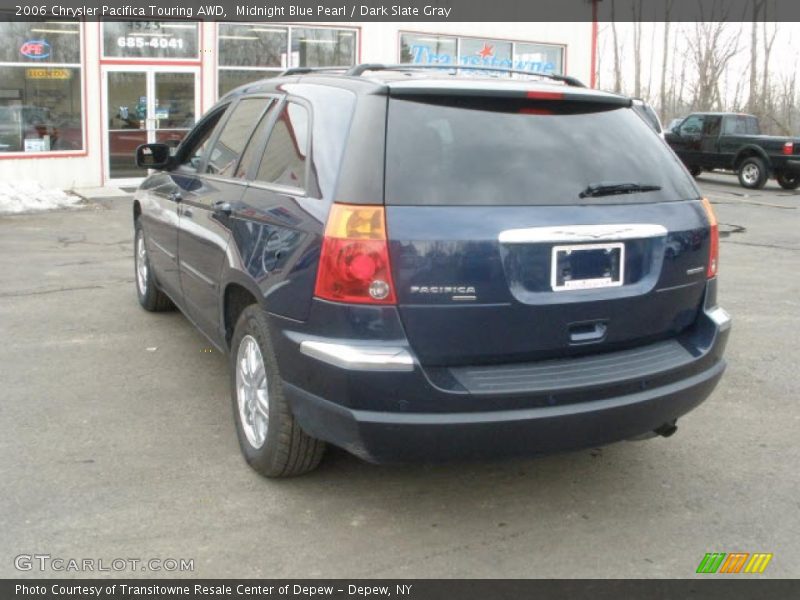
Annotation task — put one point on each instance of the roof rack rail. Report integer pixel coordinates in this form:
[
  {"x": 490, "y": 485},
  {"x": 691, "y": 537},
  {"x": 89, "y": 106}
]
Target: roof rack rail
[
  {"x": 363, "y": 68},
  {"x": 305, "y": 70}
]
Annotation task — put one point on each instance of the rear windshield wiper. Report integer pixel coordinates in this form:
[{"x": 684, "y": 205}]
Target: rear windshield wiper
[{"x": 610, "y": 189}]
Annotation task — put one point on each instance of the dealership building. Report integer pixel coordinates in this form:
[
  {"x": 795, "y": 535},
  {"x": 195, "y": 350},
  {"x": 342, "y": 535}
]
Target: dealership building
[{"x": 76, "y": 98}]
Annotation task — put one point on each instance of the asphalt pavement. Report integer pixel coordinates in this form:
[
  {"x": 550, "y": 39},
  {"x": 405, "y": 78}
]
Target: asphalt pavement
[{"x": 118, "y": 440}]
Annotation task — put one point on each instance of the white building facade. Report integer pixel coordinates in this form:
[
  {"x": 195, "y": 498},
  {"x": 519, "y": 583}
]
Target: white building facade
[{"x": 77, "y": 98}]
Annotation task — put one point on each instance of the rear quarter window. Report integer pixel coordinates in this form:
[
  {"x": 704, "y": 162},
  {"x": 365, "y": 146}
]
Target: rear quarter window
[
  {"x": 284, "y": 161},
  {"x": 491, "y": 152}
]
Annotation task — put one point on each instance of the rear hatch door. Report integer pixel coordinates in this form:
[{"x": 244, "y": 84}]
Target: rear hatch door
[{"x": 529, "y": 224}]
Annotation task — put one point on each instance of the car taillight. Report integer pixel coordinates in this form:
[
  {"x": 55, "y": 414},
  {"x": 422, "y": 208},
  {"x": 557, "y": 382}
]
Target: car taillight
[
  {"x": 354, "y": 262},
  {"x": 713, "y": 252},
  {"x": 788, "y": 148}
]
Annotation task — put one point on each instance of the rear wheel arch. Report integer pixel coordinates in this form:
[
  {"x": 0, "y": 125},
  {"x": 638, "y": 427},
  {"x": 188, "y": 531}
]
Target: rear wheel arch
[
  {"x": 750, "y": 151},
  {"x": 236, "y": 297}
]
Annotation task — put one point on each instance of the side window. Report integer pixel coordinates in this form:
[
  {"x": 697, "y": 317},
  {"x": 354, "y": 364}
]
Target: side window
[
  {"x": 234, "y": 136},
  {"x": 255, "y": 143},
  {"x": 711, "y": 126},
  {"x": 284, "y": 160},
  {"x": 197, "y": 145},
  {"x": 692, "y": 125}
]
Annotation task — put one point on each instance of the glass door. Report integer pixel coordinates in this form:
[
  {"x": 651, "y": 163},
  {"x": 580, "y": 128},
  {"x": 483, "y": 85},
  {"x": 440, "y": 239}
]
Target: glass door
[{"x": 145, "y": 105}]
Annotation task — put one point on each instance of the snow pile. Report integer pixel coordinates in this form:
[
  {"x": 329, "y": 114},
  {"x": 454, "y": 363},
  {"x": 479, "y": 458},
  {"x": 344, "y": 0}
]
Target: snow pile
[{"x": 29, "y": 196}]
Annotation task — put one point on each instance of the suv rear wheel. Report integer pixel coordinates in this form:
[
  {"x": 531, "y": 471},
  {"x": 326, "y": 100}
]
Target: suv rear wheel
[
  {"x": 270, "y": 438},
  {"x": 788, "y": 182},
  {"x": 753, "y": 173},
  {"x": 150, "y": 297}
]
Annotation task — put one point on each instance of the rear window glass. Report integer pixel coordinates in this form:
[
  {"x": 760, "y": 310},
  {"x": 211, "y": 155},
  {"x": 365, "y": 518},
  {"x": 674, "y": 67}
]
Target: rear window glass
[{"x": 462, "y": 151}]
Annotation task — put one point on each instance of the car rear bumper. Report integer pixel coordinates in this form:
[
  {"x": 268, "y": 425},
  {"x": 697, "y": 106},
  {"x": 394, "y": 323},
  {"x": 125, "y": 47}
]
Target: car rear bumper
[
  {"x": 418, "y": 437},
  {"x": 406, "y": 413}
]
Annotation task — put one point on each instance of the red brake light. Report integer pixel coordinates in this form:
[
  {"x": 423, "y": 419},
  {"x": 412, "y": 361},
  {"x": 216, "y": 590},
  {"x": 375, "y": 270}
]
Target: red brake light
[
  {"x": 713, "y": 252},
  {"x": 545, "y": 95},
  {"x": 788, "y": 148},
  {"x": 354, "y": 262}
]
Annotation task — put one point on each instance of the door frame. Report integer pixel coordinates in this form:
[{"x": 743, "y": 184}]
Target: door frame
[{"x": 150, "y": 72}]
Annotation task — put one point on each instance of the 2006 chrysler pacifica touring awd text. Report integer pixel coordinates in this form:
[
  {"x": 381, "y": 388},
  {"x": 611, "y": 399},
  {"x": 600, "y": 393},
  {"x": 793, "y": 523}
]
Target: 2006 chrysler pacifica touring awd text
[{"x": 423, "y": 264}]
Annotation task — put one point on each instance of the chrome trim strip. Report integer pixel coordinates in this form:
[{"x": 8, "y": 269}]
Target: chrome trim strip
[
  {"x": 720, "y": 317},
  {"x": 192, "y": 271},
  {"x": 582, "y": 233},
  {"x": 359, "y": 358},
  {"x": 160, "y": 247}
]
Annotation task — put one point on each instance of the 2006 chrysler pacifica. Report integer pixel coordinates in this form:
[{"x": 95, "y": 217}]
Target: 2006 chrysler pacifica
[{"x": 418, "y": 264}]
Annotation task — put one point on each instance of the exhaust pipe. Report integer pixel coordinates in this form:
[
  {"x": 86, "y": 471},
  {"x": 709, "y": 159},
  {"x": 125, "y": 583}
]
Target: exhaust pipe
[{"x": 665, "y": 430}]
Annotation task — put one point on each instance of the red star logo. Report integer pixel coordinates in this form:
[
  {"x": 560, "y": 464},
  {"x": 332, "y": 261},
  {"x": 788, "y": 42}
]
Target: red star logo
[{"x": 486, "y": 51}]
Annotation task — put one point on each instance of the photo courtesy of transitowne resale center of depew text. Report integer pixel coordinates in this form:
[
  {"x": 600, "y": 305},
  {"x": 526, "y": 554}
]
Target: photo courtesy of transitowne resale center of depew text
[{"x": 399, "y": 300}]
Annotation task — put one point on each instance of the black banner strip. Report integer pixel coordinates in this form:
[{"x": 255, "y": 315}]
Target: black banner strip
[{"x": 321, "y": 11}]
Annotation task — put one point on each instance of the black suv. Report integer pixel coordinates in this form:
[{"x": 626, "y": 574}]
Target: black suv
[{"x": 417, "y": 264}]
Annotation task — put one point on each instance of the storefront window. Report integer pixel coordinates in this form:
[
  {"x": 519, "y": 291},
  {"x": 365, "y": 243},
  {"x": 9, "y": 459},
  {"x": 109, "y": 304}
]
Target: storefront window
[
  {"x": 489, "y": 53},
  {"x": 539, "y": 57},
  {"x": 252, "y": 51},
  {"x": 430, "y": 49},
  {"x": 40, "y": 87},
  {"x": 323, "y": 47},
  {"x": 150, "y": 40},
  {"x": 427, "y": 49},
  {"x": 255, "y": 45}
]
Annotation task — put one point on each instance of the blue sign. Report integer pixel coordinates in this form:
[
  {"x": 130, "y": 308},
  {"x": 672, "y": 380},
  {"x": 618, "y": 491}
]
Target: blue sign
[
  {"x": 421, "y": 54},
  {"x": 36, "y": 49}
]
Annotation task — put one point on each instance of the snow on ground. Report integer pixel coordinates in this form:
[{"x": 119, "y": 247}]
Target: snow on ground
[{"x": 29, "y": 196}]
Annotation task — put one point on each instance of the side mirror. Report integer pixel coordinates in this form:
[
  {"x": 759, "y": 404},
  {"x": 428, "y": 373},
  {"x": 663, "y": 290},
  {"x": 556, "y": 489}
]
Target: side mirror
[{"x": 153, "y": 156}]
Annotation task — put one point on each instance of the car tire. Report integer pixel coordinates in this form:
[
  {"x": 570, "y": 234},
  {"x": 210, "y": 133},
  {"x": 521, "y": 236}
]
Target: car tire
[
  {"x": 788, "y": 182},
  {"x": 270, "y": 438},
  {"x": 150, "y": 297},
  {"x": 695, "y": 171},
  {"x": 752, "y": 173}
]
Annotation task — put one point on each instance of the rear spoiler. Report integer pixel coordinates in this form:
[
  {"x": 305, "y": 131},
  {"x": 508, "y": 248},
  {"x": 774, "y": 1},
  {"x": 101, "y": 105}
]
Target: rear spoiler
[{"x": 517, "y": 90}]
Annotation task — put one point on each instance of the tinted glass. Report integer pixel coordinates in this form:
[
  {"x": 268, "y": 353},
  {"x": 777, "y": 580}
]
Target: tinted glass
[
  {"x": 234, "y": 136},
  {"x": 199, "y": 141},
  {"x": 692, "y": 125},
  {"x": 255, "y": 144},
  {"x": 284, "y": 159},
  {"x": 486, "y": 152},
  {"x": 740, "y": 125}
]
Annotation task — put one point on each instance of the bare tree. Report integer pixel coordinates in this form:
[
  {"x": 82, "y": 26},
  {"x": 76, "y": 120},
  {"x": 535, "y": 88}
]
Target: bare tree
[
  {"x": 711, "y": 47},
  {"x": 665, "y": 60},
  {"x": 617, "y": 65},
  {"x": 636, "y": 9},
  {"x": 768, "y": 40},
  {"x": 753, "y": 97}
]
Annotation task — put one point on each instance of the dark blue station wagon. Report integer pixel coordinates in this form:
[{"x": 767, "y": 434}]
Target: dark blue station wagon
[{"x": 420, "y": 264}]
